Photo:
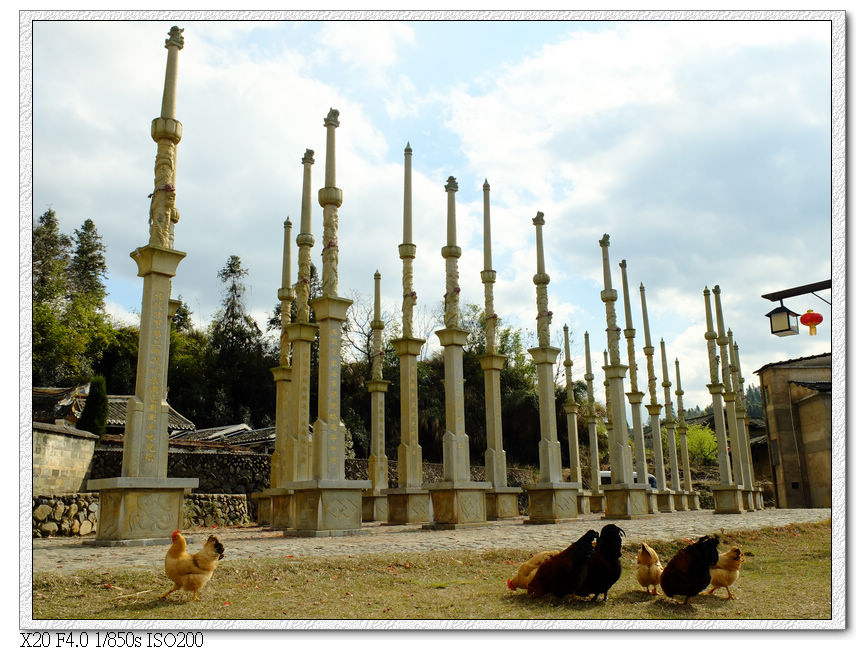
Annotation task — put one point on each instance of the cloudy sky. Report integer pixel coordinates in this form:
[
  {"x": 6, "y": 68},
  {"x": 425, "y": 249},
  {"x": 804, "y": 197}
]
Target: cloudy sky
[{"x": 702, "y": 148}]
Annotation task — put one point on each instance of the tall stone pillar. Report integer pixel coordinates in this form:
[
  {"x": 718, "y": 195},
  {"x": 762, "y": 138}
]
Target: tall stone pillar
[
  {"x": 679, "y": 500},
  {"x": 741, "y": 429},
  {"x": 501, "y": 500},
  {"x": 571, "y": 408},
  {"x": 758, "y": 494},
  {"x": 729, "y": 394},
  {"x": 143, "y": 506},
  {"x": 662, "y": 496},
  {"x": 282, "y": 459},
  {"x": 327, "y": 504},
  {"x": 550, "y": 500},
  {"x": 374, "y": 502},
  {"x": 457, "y": 500},
  {"x": 624, "y": 498},
  {"x": 728, "y": 496},
  {"x": 596, "y": 500},
  {"x": 692, "y": 500},
  {"x": 635, "y": 397},
  {"x": 410, "y": 501}
]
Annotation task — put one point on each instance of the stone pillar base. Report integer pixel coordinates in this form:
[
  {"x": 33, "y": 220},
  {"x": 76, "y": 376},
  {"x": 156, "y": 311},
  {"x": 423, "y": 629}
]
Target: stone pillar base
[
  {"x": 652, "y": 501},
  {"x": 551, "y": 503},
  {"x": 502, "y": 503},
  {"x": 596, "y": 501},
  {"x": 728, "y": 499},
  {"x": 408, "y": 505},
  {"x": 373, "y": 506},
  {"x": 758, "y": 500},
  {"x": 680, "y": 500},
  {"x": 458, "y": 504},
  {"x": 748, "y": 500},
  {"x": 263, "y": 508},
  {"x": 626, "y": 501},
  {"x": 326, "y": 508},
  {"x": 664, "y": 499},
  {"x": 281, "y": 507},
  {"x": 693, "y": 500},
  {"x": 135, "y": 511}
]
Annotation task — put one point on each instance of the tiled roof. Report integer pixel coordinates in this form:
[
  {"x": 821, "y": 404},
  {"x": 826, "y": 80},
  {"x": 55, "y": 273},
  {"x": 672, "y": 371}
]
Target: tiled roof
[
  {"x": 59, "y": 428},
  {"x": 51, "y": 403},
  {"x": 784, "y": 363},
  {"x": 213, "y": 433},
  {"x": 253, "y": 437},
  {"x": 117, "y": 414},
  {"x": 819, "y": 386}
]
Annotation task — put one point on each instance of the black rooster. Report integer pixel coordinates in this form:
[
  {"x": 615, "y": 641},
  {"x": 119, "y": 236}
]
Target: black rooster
[
  {"x": 603, "y": 567},
  {"x": 564, "y": 571},
  {"x": 687, "y": 574}
]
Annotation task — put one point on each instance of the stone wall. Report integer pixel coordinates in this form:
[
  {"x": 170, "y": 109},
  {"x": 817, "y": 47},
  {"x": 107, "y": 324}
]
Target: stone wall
[
  {"x": 61, "y": 458},
  {"x": 75, "y": 515}
]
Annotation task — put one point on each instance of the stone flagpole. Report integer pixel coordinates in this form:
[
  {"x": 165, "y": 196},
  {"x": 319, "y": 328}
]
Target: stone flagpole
[
  {"x": 550, "y": 500},
  {"x": 327, "y": 504},
  {"x": 410, "y": 501},
  {"x": 501, "y": 500},
  {"x": 662, "y": 496},
  {"x": 143, "y": 506},
  {"x": 624, "y": 498},
  {"x": 596, "y": 499},
  {"x": 670, "y": 425},
  {"x": 730, "y": 404},
  {"x": 728, "y": 496},
  {"x": 741, "y": 429},
  {"x": 374, "y": 502},
  {"x": 691, "y": 498},
  {"x": 457, "y": 500},
  {"x": 635, "y": 397},
  {"x": 758, "y": 494},
  {"x": 570, "y": 406}
]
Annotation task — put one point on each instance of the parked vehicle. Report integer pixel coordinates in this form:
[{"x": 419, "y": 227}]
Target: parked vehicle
[{"x": 605, "y": 479}]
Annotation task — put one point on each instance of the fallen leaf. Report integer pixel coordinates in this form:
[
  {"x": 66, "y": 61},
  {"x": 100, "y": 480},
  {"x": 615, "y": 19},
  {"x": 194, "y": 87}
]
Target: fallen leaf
[
  {"x": 226, "y": 603},
  {"x": 287, "y": 556}
]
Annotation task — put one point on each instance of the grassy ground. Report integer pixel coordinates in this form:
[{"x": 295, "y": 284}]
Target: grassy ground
[{"x": 786, "y": 575}]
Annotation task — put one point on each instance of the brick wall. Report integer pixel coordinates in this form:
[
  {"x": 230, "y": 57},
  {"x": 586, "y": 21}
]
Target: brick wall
[{"x": 61, "y": 458}]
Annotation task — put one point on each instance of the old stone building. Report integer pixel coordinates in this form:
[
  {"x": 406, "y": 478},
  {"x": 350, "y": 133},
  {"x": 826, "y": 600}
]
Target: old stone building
[{"x": 797, "y": 404}]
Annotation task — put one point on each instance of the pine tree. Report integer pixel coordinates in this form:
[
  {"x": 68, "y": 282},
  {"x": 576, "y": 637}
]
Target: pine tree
[
  {"x": 95, "y": 414},
  {"x": 87, "y": 269},
  {"x": 51, "y": 250}
]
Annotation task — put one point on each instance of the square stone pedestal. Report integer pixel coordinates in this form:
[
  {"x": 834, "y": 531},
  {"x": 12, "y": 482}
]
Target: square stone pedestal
[
  {"x": 680, "y": 500},
  {"x": 748, "y": 500},
  {"x": 373, "y": 506},
  {"x": 281, "y": 507},
  {"x": 758, "y": 500},
  {"x": 596, "y": 501},
  {"x": 626, "y": 501},
  {"x": 551, "y": 503},
  {"x": 458, "y": 504},
  {"x": 728, "y": 499},
  {"x": 135, "y": 511},
  {"x": 326, "y": 508},
  {"x": 693, "y": 500},
  {"x": 502, "y": 503},
  {"x": 664, "y": 499},
  {"x": 652, "y": 499},
  {"x": 263, "y": 505},
  {"x": 408, "y": 505}
]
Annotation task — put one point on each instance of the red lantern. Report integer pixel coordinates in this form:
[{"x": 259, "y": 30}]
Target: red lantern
[{"x": 812, "y": 319}]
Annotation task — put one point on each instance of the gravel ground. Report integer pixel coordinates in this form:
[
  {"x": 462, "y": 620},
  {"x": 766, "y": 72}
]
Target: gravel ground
[{"x": 70, "y": 555}]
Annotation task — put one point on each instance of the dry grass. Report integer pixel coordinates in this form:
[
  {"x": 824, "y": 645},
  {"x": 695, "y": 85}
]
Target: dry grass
[{"x": 786, "y": 575}]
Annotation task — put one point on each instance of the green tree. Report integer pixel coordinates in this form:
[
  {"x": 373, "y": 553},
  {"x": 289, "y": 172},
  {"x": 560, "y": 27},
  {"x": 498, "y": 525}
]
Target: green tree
[
  {"x": 51, "y": 252},
  {"x": 95, "y": 412},
  {"x": 87, "y": 269},
  {"x": 754, "y": 402},
  {"x": 702, "y": 445},
  {"x": 239, "y": 382}
]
